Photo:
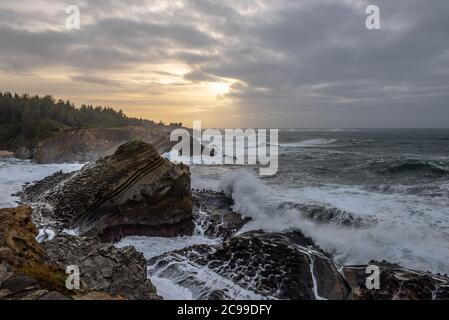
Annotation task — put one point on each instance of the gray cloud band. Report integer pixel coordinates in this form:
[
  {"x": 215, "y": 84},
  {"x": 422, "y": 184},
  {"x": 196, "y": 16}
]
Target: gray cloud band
[{"x": 308, "y": 63}]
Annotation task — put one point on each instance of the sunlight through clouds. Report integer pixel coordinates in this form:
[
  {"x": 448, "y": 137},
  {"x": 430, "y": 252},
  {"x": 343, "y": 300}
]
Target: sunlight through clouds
[{"x": 295, "y": 63}]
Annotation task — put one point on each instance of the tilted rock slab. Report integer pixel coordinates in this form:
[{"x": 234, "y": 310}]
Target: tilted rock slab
[{"x": 133, "y": 192}]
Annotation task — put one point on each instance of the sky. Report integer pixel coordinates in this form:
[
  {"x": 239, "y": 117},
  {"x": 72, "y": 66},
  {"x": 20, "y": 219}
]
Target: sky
[{"x": 236, "y": 63}]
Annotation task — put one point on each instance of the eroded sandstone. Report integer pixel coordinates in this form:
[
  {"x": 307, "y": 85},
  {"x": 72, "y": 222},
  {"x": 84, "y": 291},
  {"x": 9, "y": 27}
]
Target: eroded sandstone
[{"x": 133, "y": 192}]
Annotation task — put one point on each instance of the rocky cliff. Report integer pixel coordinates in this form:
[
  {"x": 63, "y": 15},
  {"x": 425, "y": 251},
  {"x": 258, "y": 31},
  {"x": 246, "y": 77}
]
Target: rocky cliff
[
  {"x": 85, "y": 145},
  {"x": 28, "y": 271},
  {"x": 133, "y": 192}
]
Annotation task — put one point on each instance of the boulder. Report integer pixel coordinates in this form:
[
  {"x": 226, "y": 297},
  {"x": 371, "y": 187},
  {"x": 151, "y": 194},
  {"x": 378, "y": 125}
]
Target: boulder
[
  {"x": 27, "y": 272},
  {"x": 104, "y": 267},
  {"x": 133, "y": 192},
  {"x": 396, "y": 283}
]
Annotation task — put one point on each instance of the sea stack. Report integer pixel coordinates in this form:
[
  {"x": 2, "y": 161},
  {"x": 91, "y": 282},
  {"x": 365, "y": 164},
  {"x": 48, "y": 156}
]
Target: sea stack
[{"x": 133, "y": 192}]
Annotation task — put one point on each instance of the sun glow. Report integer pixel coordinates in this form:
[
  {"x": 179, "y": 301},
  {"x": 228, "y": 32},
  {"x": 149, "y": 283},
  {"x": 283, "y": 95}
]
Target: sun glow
[{"x": 219, "y": 88}]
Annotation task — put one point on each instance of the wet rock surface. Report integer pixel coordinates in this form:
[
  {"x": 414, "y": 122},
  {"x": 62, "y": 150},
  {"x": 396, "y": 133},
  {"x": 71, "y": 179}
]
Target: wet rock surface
[
  {"x": 273, "y": 265},
  {"x": 262, "y": 265},
  {"x": 133, "y": 192},
  {"x": 213, "y": 210},
  {"x": 396, "y": 283}
]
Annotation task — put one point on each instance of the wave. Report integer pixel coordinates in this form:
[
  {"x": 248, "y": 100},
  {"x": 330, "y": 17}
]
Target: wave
[
  {"x": 410, "y": 167},
  {"x": 325, "y": 214},
  {"x": 352, "y": 224},
  {"x": 308, "y": 143},
  {"x": 15, "y": 173}
]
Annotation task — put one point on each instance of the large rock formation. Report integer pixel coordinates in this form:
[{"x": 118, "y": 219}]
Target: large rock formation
[
  {"x": 104, "y": 267},
  {"x": 273, "y": 265},
  {"x": 28, "y": 271},
  {"x": 23, "y": 261},
  {"x": 396, "y": 283},
  {"x": 84, "y": 145},
  {"x": 133, "y": 192}
]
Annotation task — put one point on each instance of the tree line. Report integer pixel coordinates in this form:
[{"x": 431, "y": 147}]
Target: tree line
[{"x": 26, "y": 119}]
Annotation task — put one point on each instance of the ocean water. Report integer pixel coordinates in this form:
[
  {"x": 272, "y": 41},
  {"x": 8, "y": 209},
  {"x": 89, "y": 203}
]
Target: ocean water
[
  {"x": 393, "y": 183},
  {"x": 15, "y": 173},
  {"x": 396, "y": 180}
]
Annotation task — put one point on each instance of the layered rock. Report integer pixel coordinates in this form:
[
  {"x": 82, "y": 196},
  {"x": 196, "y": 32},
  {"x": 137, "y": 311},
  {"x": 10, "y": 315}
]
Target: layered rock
[
  {"x": 273, "y": 265},
  {"x": 133, "y": 192},
  {"x": 29, "y": 272},
  {"x": 32, "y": 192},
  {"x": 396, "y": 283}
]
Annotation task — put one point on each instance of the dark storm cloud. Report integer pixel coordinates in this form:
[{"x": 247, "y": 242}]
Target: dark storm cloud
[
  {"x": 317, "y": 58},
  {"x": 294, "y": 63}
]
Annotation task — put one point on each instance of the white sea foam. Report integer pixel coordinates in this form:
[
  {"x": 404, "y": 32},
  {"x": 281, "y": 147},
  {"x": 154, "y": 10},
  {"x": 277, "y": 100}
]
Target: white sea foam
[
  {"x": 411, "y": 230},
  {"x": 14, "y": 173},
  {"x": 156, "y": 246},
  {"x": 45, "y": 235},
  {"x": 181, "y": 279}
]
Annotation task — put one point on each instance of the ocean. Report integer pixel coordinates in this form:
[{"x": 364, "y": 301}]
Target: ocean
[{"x": 361, "y": 195}]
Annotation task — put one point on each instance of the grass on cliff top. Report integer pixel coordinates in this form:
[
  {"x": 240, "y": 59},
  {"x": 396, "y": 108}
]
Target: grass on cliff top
[{"x": 49, "y": 277}]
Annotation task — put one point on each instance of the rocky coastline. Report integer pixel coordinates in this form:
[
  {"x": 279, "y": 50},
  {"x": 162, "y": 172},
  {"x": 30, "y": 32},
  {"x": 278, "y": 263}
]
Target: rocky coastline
[
  {"x": 136, "y": 192},
  {"x": 90, "y": 144}
]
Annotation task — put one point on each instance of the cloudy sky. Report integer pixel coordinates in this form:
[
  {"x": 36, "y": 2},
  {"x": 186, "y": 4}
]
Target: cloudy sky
[{"x": 236, "y": 63}]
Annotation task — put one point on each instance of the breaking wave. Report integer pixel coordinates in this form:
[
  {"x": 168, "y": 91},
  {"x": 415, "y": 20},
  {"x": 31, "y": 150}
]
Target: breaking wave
[
  {"x": 413, "y": 167},
  {"x": 354, "y": 225}
]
